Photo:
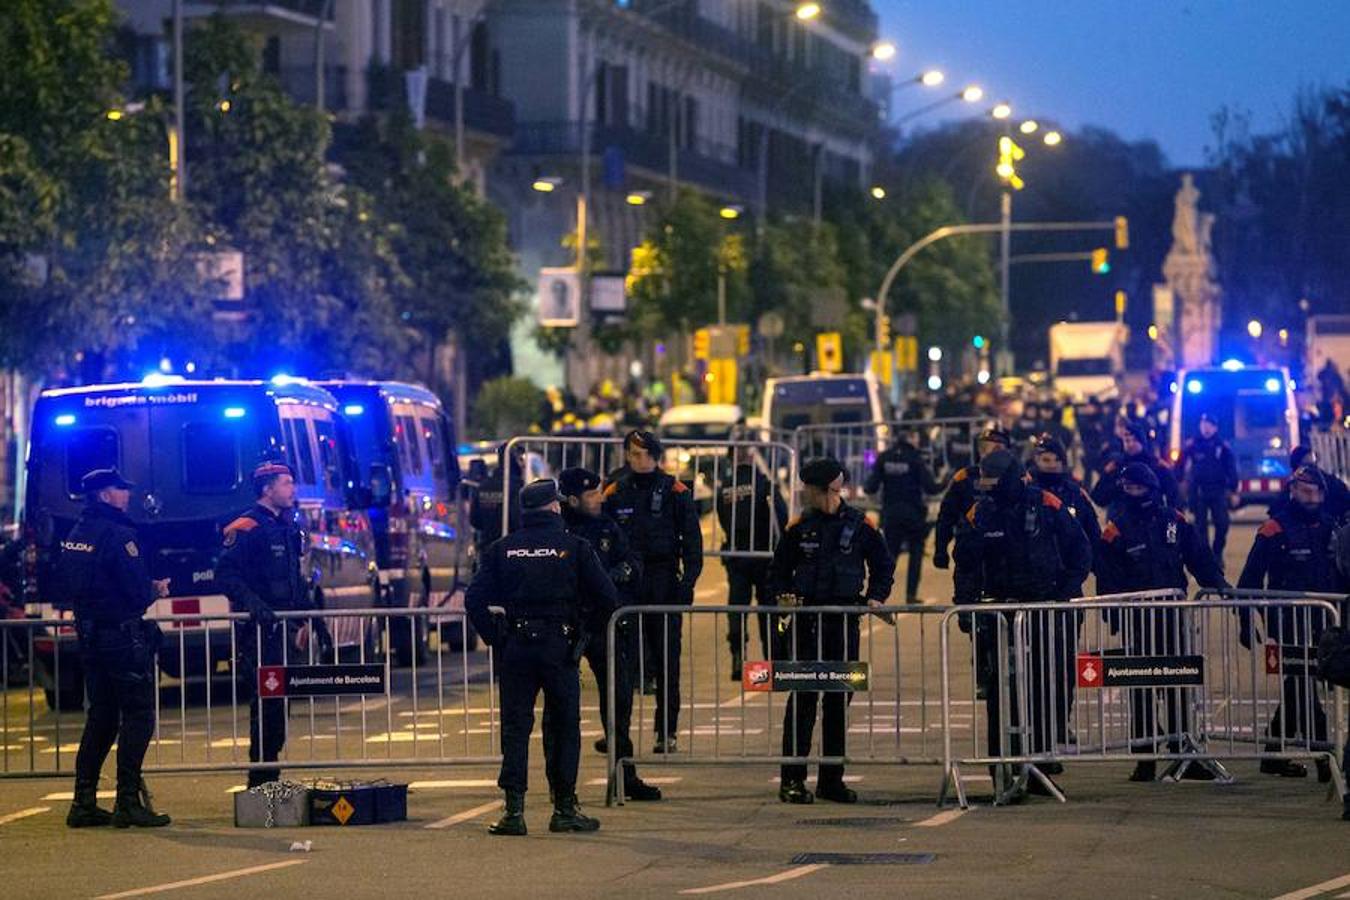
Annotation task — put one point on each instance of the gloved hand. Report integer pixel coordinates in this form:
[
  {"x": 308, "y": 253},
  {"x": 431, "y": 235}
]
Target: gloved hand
[
  {"x": 685, "y": 593},
  {"x": 262, "y": 614},
  {"x": 1245, "y": 635},
  {"x": 941, "y": 559}
]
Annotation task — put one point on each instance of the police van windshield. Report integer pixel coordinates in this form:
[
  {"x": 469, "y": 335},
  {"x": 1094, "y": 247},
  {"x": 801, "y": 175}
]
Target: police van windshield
[{"x": 820, "y": 401}]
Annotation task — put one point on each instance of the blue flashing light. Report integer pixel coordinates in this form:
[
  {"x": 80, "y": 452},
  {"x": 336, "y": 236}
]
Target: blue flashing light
[
  {"x": 65, "y": 419},
  {"x": 1172, "y": 387},
  {"x": 1193, "y": 386},
  {"x": 159, "y": 379},
  {"x": 353, "y": 409},
  {"x": 1293, "y": 385},
  {"x": 281, "y": 379},
  {"x": 1273, "y": 385},
  {"x": 1232, "y": 365},
  {"x": 234, "y": 412}
]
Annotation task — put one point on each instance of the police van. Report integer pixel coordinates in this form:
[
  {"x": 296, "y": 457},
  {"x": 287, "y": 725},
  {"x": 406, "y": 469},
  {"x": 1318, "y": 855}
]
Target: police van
[
  {"x": 406, "y": 454},
  {"x": 841, "y": 415},
  {"x": 1256, "y": 413},
  {"x": 189, "y": 446}
]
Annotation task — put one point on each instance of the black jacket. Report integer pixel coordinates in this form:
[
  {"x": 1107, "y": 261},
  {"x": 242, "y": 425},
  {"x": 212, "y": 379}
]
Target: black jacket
[
  {"x": 749, "y": 510},
  {"x": 1028, "y": 548},
  {"x": 485, "y": 509},
  {"x": 958, "y": 500},
  {"x": 102, "y": 571},
  {"x": 1076, "y": 502},
  {"x": 904, "y": 479},
  {"x": 1293, "y": 552},
  {"x": 657, "y": 512},
  {"x": 1152, "y": 549},
  {"x": 540, "y": 572},
  {"x": 833, "y": 560},
  {"x": 260, "y": 565},
  {"x": 1107, "y": 492},
  {"x": 1208, "y": 466},
  {"x": 611, "y": 547}
]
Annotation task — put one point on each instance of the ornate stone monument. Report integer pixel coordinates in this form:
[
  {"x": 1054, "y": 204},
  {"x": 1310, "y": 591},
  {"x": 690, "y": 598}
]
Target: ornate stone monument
[{"x": 1189, "y": 272}]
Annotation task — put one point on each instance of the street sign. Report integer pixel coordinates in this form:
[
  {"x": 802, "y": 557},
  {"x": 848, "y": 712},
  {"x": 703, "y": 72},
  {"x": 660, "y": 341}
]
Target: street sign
[
  {"x": 907, "y": 353},
  {"x": 702, "y": 342},
  {"x": 722, "y": 380},
  {"x": 771, "y": 325},
  {"x": 829, "y": 351},
  {"x": 559, "y": 298},
  {"x": 883, "y": 365},
  {"x": 607, "y": 295},
  {"x": 320, "y": 681}
]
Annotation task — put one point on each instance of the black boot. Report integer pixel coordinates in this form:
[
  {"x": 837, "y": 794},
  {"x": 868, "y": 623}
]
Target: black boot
[
  {"x": 1323, "y": 771},
  {"x": 634, "y": 788},
  {"x": 795, "y": 792},
  {"x": 1285, "y": 768},
  {"x": 133, "y": 809},
  {"x": 1145, "y": 771},
  {"x": 1345, "y": 808},
  {"x": 567, "y": 817},
  {"x": 737, "y": 666},
  {"x": 836, "y": 792},
  {"x": 512, "y": 823},
  {"x": 84, "y": 811}
]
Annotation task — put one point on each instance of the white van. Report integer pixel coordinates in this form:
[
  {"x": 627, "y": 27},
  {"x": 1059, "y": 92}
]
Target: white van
[{"x": 821, "y": 414}]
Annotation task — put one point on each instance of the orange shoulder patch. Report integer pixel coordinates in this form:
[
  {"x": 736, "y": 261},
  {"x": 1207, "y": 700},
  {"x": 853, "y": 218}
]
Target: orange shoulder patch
[
  {"x": 970, "y": 514},
  {"x": 960, "y": 475},
  {"x": 1269, "y": 529},
  {"x": 1110, "y": 532},
  {"x": 1050, "y": 500},
  {"x": 611, "y": 488},
  {"x": 243, "y": 523},
  {"x": 680, "y": 487}
]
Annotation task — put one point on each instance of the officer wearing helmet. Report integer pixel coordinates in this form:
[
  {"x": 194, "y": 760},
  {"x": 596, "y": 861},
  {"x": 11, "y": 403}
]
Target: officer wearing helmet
[
  {"x": 1147, "y": 545},
  {"x": 1050, "y": 472},
  {"x": 1017, "y": 542},
  {"x": 1293, "y": 552},
  {"x": 1209, "y": 469},
  {"x": 830, "y": 556},
  {"x": 960, "y": 494},
  {"x": 536, "y": 593},
  {"x": 102, "y": 572}
]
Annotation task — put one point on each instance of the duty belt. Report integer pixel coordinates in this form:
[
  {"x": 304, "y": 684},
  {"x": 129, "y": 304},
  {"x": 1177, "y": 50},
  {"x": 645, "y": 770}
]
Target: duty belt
[{"x": 564, "y": 628}]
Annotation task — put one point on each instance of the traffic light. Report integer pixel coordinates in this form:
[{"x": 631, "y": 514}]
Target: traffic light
[
  {"x": 1008, "y": 154},
  {"x": 1120, "y": 305},
  {"x": 829, "y": 352},
  {"x": 1122, "y": 233},
  {"x": 884, "y": 329},
  {"x": 977, "y": 342},
  {"x": 1101, "y": 261}
]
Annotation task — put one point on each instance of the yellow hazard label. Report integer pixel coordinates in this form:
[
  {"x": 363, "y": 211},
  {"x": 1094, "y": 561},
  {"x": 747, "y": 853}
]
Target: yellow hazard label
[{"x": 342, "y": 810}]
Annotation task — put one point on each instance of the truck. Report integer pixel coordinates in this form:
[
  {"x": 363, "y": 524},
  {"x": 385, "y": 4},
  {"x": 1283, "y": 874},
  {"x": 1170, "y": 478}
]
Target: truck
[
  {"x": 1087, "y": 359},
  {"x": 1327, "y": 341}
]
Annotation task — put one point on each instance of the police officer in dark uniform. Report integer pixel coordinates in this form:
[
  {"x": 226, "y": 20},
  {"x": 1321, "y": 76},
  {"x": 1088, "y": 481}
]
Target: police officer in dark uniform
[
  {"x": 102, "y": 572},
  {"x": 1293, "y": 552},
  {"x": 831, "y": 556},
  {"x": 657, "y": 511},
  {"x": 1336, "y": 502},
  {"x": 1209, "y": 470},
  {"x": 1149, "y": 545},
  {"x": 905, "y": 481},
  {"x": 551, "y": 590},
  {"x": 1136, "y": 447},
  {"x": 1051, "y": 473},
  {"x": 260, "y": 572},
  {"x": 751, "y": 513},
  {"x": 1017, "y": 542},
  {"x": 584, "y": 516},
  {"x": 485, "y": 510},
  {"x": 960, "y": 496}
]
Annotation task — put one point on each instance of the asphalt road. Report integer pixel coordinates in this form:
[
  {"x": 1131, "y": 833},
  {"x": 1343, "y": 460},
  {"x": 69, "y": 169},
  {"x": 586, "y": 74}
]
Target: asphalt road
[{"x": 721, "y": 829}]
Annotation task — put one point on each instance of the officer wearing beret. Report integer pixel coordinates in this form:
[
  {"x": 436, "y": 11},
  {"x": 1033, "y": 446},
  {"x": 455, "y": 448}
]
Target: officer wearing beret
[
  {"x": 961, "y": 493},
  {"x": 831, "y": 556},
  {"x": 103, "y": 573},
  {"x": 657, "y": 511},
  {"x": 537, "y": 591},
  {"x": 584, "y": 516},
  {"x": 260, "y": 572}
]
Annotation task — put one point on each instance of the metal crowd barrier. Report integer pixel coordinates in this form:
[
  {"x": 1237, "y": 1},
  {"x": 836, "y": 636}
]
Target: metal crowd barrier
[
  {"x": 1147, "y": 677},
  {"x": 347, "y": 705},
  {"x": 711, "y": 468},
  {"x": 891, "y": 717},
  {"x": 1333, "y": 451}
]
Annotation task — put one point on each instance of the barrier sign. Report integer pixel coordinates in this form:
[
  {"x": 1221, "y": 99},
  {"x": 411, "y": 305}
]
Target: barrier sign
[
  {"x": 1292, "y": 660},
  {"x": 805, "y": 676},
  {"x": 1098, "y": 671},
  {"x": 319, "y": 681}
]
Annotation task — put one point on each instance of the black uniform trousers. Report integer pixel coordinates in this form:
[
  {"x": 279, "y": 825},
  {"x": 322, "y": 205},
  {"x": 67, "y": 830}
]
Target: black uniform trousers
[
  {"x": 1211, "y": 504},
  {"x": 625, "y": 680},
  {"x": 747, "y": 579},
  {"x": 1157, "y": 633},
  {"x": 907, "y": 535},
  {"x": 119, "y": 677},
  {"x": 1048, "y": 677},
  {"x": 262, "y": 645},
  {"x": 528, "y": 664},
  {"x": 818, "y": 637},
  {"x": 662, "y": 642}
]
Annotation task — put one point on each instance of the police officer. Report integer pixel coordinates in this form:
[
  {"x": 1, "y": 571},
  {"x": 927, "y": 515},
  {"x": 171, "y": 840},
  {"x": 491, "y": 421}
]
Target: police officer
[
  {"x": 750, "y": 512},
  {"x": 1017, "y": 542},
  {"x": 1336, "y": 502},
  {"x": 1051, "y": 473},
  {"x": 259, "y": 571},
  {"x": 904, "y": 480},
  {"x": 485, "y": 510},
  {"x": 584, "y": 516},
  {"x": 103, "y": 574},
  {"x": 1148, "y": 545},
  {"x": 1136, "y": 447},
  {"x": 657, "y": 511},
  {"x": 831, "y": 556},
  {"x": 550, "y": 589},
  {"x": 1209, "y": 470},
  {"x": 960, "y": 494},
  {"x": 1293, "y": 552}
]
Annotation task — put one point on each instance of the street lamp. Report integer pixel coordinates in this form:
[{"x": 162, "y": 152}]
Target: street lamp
[
  {"x": 807, "y": 11},
  {"x": 932, "y": 78},
  {"x": 972, "y": 93},
  {"x": 1053, "y": 138},
  {"x": 883, "y": 51},
  {"x": 878, "y": 192},
  {"x": 638, "y": 198},
  {"x": 1254, "y": 328},
  {"x": 731, "y": 211},
  {"x": 546, "y": 184},
  {"x": 1029, "y": 126},
  {"x": 1001, "y": 111}
]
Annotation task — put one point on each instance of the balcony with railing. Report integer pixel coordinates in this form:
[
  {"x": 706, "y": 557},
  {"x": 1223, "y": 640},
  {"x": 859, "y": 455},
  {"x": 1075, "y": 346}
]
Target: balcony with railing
[
  {"x": 303, "y": 13},
  {"x": 482, "y": 111}
]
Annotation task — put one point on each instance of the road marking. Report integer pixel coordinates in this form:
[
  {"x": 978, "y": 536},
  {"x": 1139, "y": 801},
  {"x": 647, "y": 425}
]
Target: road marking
[
  {"x": 454, "y": 783},
  {"x": 848, "y": 779},
  {"x": 70, "y": 795},
  {"x": 205, "y": 879},
  {"x": 941, "y": 818},
  {"x": 23, "y": 814},
  {"x": 466, "y": 815},
  {"x": 669, "y": 779},
  {"x": 771, "y": 879},
  {"x": 1325, "y": 887}
]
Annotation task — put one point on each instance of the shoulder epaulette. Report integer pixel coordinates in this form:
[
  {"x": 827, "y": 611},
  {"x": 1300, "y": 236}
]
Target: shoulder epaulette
[
  {"x": 1110, "y": 532},
  {"x": 960, "y": 475},
  {"x": 1270, "y": 528},
  {"x": 679, "y": 487},
  {"x": 611, "y": 488},
  {"x": 1050, "y": 500},
  {"x": 794, "y": 522},
  {"x": 970, "y": 514},
  {"x": 243, "y": 523}
]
